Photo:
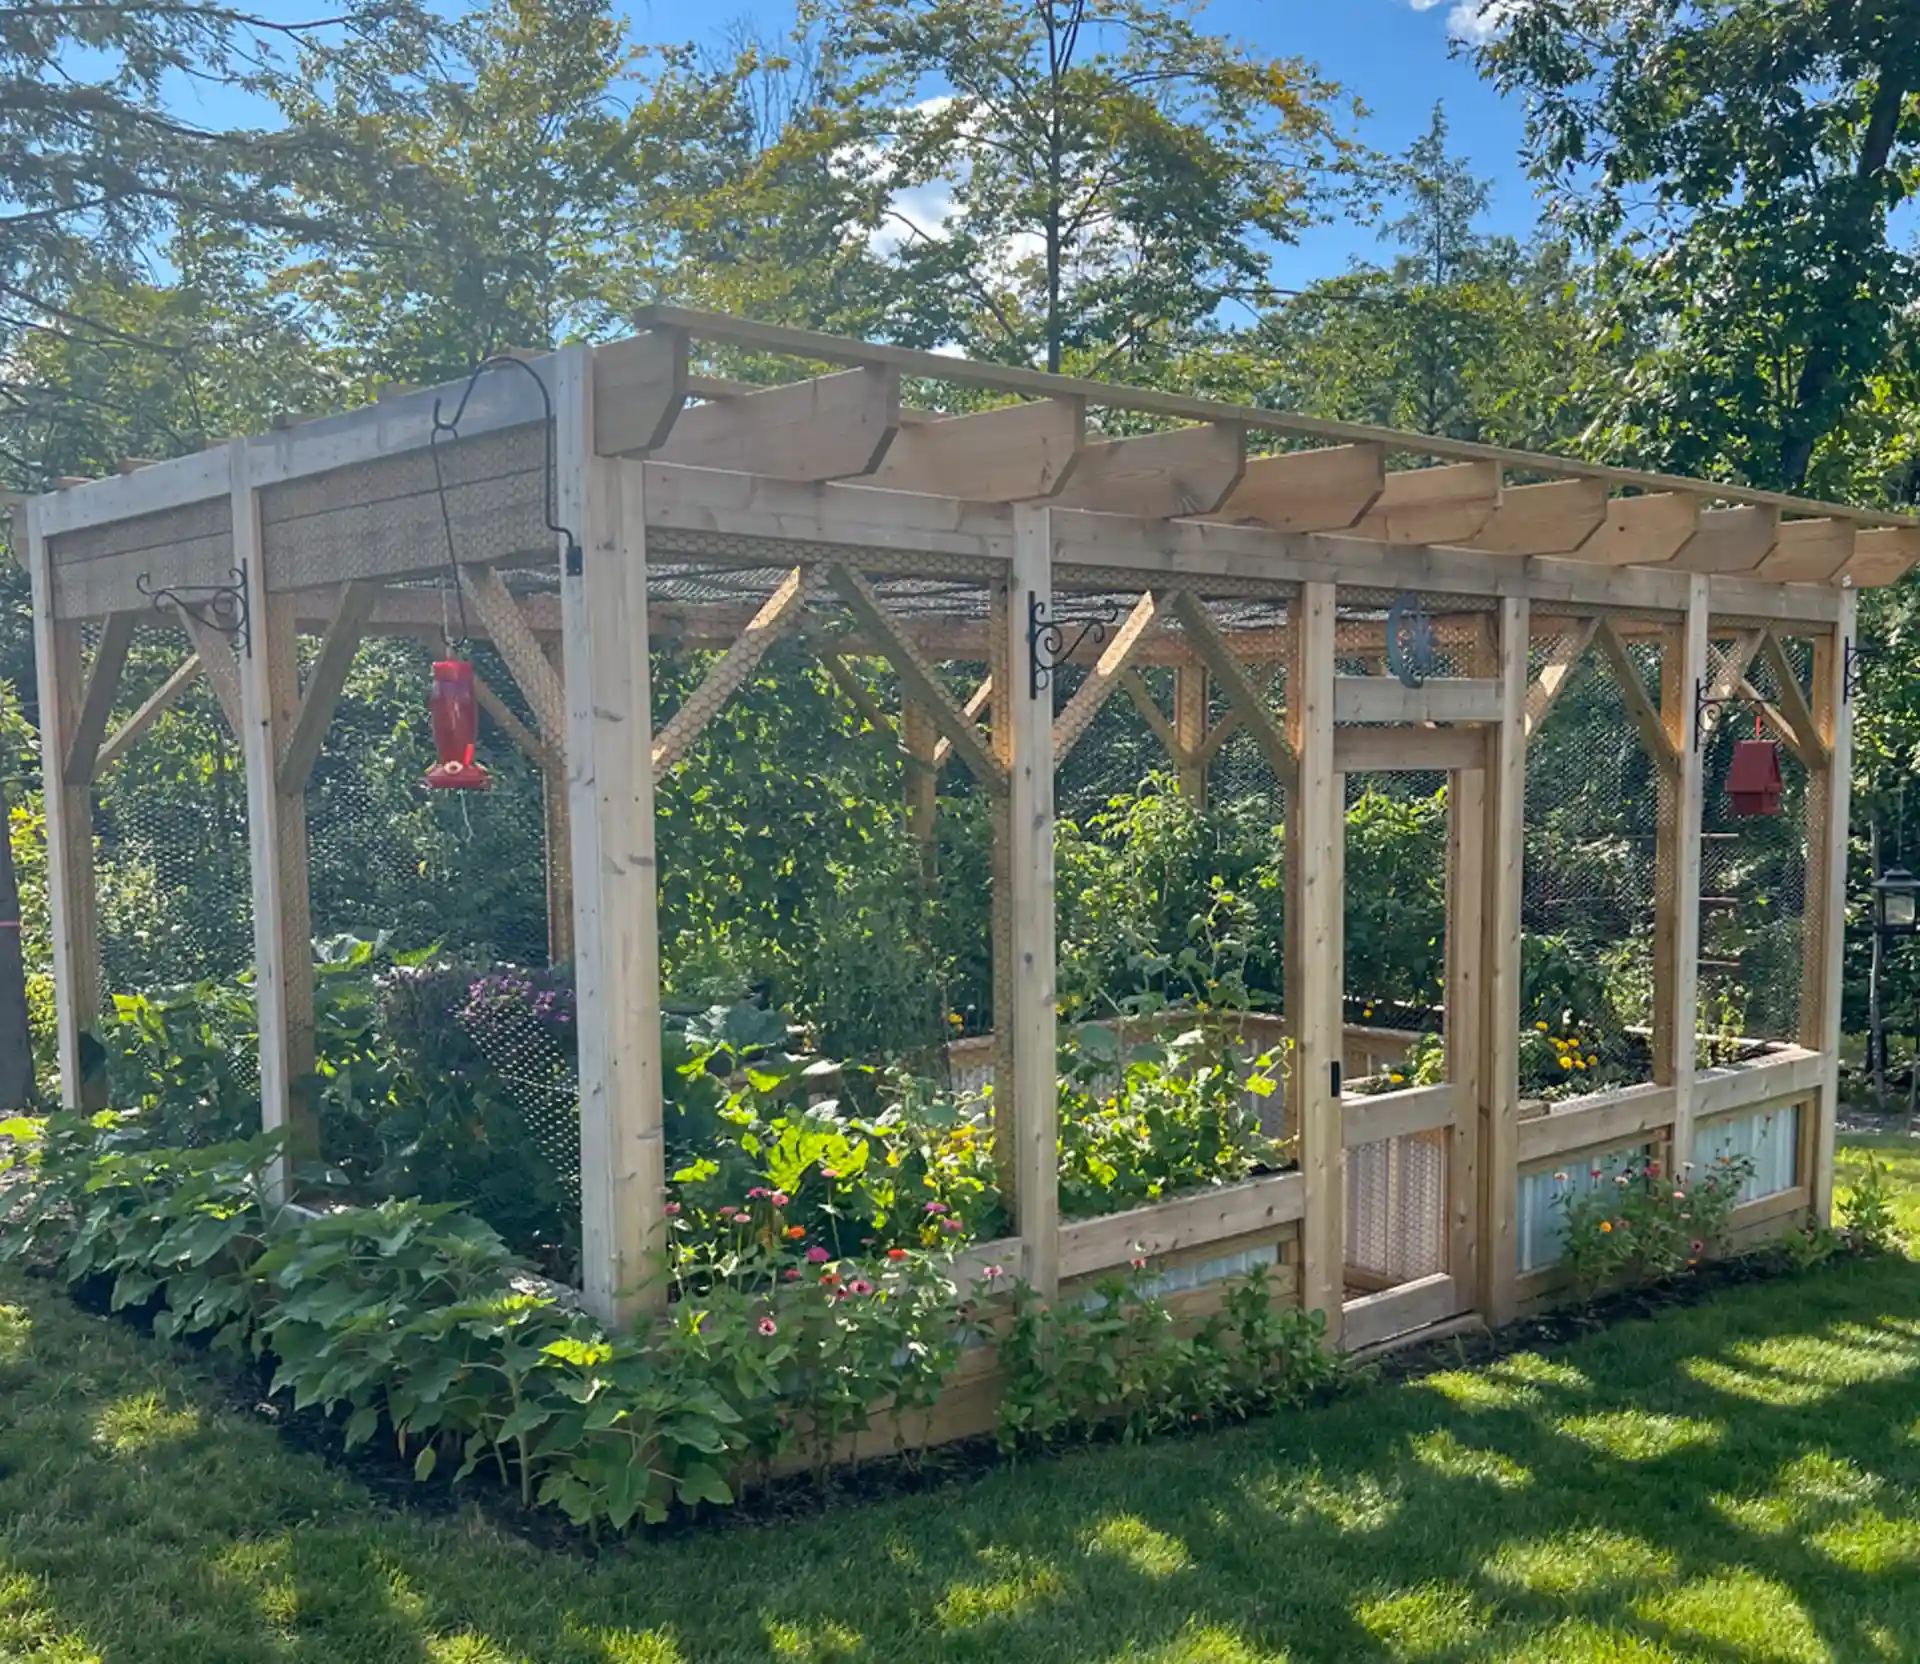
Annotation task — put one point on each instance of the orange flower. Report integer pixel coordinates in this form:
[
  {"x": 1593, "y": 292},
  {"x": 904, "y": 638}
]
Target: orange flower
[
  {"x": 1606, "y": 1224},
  {"x": 796, "y": 1232}
]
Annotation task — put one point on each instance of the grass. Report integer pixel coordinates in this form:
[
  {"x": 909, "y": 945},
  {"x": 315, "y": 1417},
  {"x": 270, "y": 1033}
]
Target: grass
[{"x": 1740, "y": 1480}]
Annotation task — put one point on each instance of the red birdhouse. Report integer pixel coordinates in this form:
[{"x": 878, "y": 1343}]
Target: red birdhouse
[
  {"x": 1754, "y": 781},
  {"x": 456, "y": 725}
]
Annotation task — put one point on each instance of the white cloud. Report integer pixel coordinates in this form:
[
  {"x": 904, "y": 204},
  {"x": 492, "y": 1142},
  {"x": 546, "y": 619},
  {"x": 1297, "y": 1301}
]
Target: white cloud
[{"x": 1473, "y": 21}]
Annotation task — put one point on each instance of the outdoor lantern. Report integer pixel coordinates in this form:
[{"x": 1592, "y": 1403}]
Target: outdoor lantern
[
  {"x": 456, "y": 725},
  {"x": 1754, "y": 781},
  {"x": 1896, "y": 892}
]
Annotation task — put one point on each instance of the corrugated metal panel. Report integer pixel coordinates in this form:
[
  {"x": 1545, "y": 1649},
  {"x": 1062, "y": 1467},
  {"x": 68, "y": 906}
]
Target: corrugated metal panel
[
  {"x": 1769, "y": 1138},
  {"x": 1541, "y": 1219}
]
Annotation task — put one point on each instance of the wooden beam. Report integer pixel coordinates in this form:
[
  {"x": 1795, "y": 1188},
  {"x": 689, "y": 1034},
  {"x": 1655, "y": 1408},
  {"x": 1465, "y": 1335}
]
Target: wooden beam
[
  {"x": 917, "y": 739},
  {"x": 1552, "y": 519},
  {"x": 1005, "y": 455},
  {"x": 1882, "y": 556},
  {"x": 1261, "y": 676},
  {"x": 1823, "y": 931},
  {"x": 832, "y": 427},
  {"x": 972, "y": 710},
  {"x": 1233, "y": 681},
  {"x": 1730, "y": 540},
  {"x": 1315, "y": 844},
  {"x": 217, "y": 658},
  {"x": 917, "y": 677},
  {"x": 96, "y": 708},
  {"x": 856, "y": 691},
  {"x": 1802, "y": 733},
  {"x": 609, "y": 737},
  {"x": 1469, "y": 832},
  {"x": 1643, "y": 531},
  {"x": 530, "y": 744},
  {"x": 156, "y": 705},
  {"x": 1386, "y": 750},
  {"x": 1633, "y": 693},
  {"x": 639, "y": 387},
  {"x": 1187, "y": 471},
  {"x": 1808, "y": 552},
  {"x": 1434, "y": 505},
  {"x": 1101, "y": 681},
  {"x": 513, "y": 639},
  {"x": 1558, "y": 672},
  {"x": 1676, "y": 917},
  {"x": 778, "y": 617},
  {"x": 1191, "y": 703},
  {"x": 1309, "y": 491},
  {"x": 325, "y": 680},
  {"x": 1387, "y": 699},
  {"x": 1149, "y": 707}
]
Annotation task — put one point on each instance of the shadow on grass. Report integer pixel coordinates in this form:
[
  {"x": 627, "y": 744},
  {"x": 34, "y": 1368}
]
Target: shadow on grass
[{"x": 1736, "y": 1481}]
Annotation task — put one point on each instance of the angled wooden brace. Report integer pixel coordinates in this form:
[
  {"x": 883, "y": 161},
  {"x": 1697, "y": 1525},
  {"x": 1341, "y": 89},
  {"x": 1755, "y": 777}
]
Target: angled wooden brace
[
  {"x": 215, "y": 653},
  {"x": 1149, "y": 707},
  {"x": 103, "y": 682},
  {"x": 972, "y": 710},
  {"x": 324, "y": 684},
  {"x": 1084, "y": 706},
  {"x": 1262, "y": 677},
  {"x": 1558, "y": 673},
  {"x": 1645, "y": 714},
  {"x": 1730, "y": 676},
  {"x": 917, "y": 678},
  {"x": 514, "y": 640},
  {"x": 777, "y": 617},
  {"x": 1794, "y": 716},
  {"x": 856, "y": 692},
  {"x": 156, "y": 705},
  {"x": 542, "y": 755},
  {"x": 1243, "y": 696}
]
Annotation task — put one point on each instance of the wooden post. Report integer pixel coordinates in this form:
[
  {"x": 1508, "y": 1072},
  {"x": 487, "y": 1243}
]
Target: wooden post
[
  {"x": 1824, "y": 926},
  {"x": 1023, "y": 734},
  {"x": 1466, "y": 988},
  {"x": 919, "y": 738},
  {"x": 1190, "y": 725},
  {"x": 72, "y": 900},
  {"x": 603, "y": 597},
  {"x": 558, "y": 843},
  {"x": 1315, "y": 968},
  {"x": 269, "y": 674},
  {"x": 1499, "y": 1058},
  {"x": 1676, "y": 921}
]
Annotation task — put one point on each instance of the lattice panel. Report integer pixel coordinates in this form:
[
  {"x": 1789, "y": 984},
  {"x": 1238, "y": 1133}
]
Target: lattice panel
[{"x": 1397, "y": 1209}]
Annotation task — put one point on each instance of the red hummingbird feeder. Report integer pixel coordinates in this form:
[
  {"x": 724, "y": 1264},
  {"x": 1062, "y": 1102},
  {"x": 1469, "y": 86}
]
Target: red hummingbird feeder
[{"x": 456, "y": 725}]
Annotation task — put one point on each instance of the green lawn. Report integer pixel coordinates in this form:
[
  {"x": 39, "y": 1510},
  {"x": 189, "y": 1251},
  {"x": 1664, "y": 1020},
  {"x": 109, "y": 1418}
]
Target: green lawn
[{"x": 1736, "y": 1481}]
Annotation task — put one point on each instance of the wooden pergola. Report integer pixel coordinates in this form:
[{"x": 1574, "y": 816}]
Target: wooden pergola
[{"x": 581, "y": 486}]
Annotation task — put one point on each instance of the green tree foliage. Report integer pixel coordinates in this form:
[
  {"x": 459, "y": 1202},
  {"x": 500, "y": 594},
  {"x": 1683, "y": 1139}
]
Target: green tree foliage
[{"x": 1738, "y": 163}]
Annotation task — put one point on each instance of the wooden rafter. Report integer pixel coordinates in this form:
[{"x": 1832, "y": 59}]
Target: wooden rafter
[
  {"x": 1808, "y": 552},
  {"x": 1551, "y": 519},
  {"x": 832, "y": 427},
  {"x": 917, "y": 677},
  {"x": 156, "y": 705},
  {"x": 1241, "y": 693},
  {"x": 639, "y": 386},
  {"x": 1633, "y": 693},
  {"x": 1309, "y": 491},
  {"x": 1558, "y": 672},
  {"x": 324, "y": 684},
  {"x": 777, "y": 617},
  {"x": 1187, "y": 471},
  {"x": 1730, "y": 540},
  {"x": 96, "y": 707},
  {"x": 1084, "y": 706},
  {"x": 1006, "y": 455},
  {"x": 1880, "y": 556},
  {"x": 972, "y": 710},
  {"x": 1434, "y": 505},
  {"x": 1643, "y": 531},
  {"x": 514, "y": 640}
]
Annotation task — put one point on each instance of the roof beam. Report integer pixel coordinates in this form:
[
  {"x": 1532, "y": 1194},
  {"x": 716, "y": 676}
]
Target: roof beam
[
  {"x": 1434, "y": 505},
  {"x": 1808, "y": 552},
  {"x": 832, "y": 427},
  {"x": 1552, "y": 519},
  {"x": 1730, "y": 540},
  {"x": 1309, "y": 491},
  {"x": 639, "y": 387},
  {"x": 1008, "y": 455},
  {"x": 1881, "y": 556},
  {"x": 1643, "y": 531},
  {"x": 1156, "y": 476}
]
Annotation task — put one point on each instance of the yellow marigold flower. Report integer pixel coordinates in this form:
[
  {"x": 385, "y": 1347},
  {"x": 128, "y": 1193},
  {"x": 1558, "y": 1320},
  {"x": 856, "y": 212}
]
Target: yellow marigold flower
[
  {"x": 1579, "y": 1063},
  {"x": 1606, "y": 1225},
  {"x": 1593, "y": 1062},
  {"x": 1565, "y": 1061},
  {"x": 1396, "y": 1079}
]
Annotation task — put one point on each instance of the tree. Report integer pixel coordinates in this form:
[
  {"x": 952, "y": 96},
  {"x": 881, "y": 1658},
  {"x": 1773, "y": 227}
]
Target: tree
[
  {"x": 1741, "y": 162},
  {"x": 1111, "y": 173}
]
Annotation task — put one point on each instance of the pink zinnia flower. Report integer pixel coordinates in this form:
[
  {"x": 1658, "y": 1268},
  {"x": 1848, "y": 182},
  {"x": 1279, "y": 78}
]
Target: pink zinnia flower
[
  {"x": 1653, "y": 1169},
  {"x": 1138, "y": 1263},
  {"x": 793, "y": 1274},
  {"x": 995, "y": 1272},
  {"x": 671, "y": 1210},
  {"x": 936, "y": 1207},
  {"x": 779, "y": 1198},
  {"x": 951, "y": 1225},
  {"x": 768, "y": 1326},
  {"x": 859, "y": 1286},
  {"x": 829, "y": 1173},
  {"x": 818, "y": 1255},
  {"x": 756, "y": 1193},
  {"x": 1679, "y": 1195}
]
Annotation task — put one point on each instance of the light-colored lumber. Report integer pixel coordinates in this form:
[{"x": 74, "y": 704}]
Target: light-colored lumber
[
  {"x": 1551, "y": 519},
  {"x": 156, "y": 705},
  {"x": 1309, "y": 491},
  {"x": 96, "y": 706},
  {"x": 1246, "y": 700},
  {"x": 639, "y": 387},
  {"x": 166, "y": 485},
  {"x": 976, "y": 705},
  {"x": 1190, "y": 751},
  {"x": 1398, "y": 1311},
  {"x": 1387, "y": 699},
  {"x": 918, "y": 736},
  {"x": 1592, "y": 1126},
  {"x": 1646, "y": 717},
  {"x": 832, "y": 427},
  {"x": 1006, "y": 455},
  {"x": 1729, "y": 676},
  {"x": 1502, "y": 972},
  {"x": 1434, "y": 505},
  {"x": 1823, "y": 929},
  {"x": 1164, "y": 730},
  {"x": 1644, "y": 531},
  {"x": 1090, "y": 1246},
  {"x": 530, "y": 744},
  {"x": 326, "y": 678},
  {"x": 1104, "y": 677},
  {"x": 1315, "y": 852},
  {"x": 1558, "y": 672},
  {"x": 1803, "y": 733},
  {"x": 1808, "y": 552},
  {"x": 1382, "y": 750},
  {"x": 917, "y": 677},
  {"x": 856, "y": 691},
  {"x": 778, "y": 617},
  {"x": 1880, "y": 556},
  {"x": 1155, "y": 475},
  {"x": 609, "y": 740},
  {"x": 1023, "y": 731},
  {"x": 1676, "y": 889},
  {"x": 222, "y": 665},
  {"x": 1730, "y": 540},
  {"x": 1772, "y": 717},
  {"x": 1464, "y": 967},
  {"x": 513, "y": 639},
  {"x": 1370, "y": 1120},
  {"x": 1740, "y": 1088}
]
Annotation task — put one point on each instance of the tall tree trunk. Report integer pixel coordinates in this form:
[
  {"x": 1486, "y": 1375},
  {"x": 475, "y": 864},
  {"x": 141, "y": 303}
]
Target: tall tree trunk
[{"x": 16, "y": 1043}]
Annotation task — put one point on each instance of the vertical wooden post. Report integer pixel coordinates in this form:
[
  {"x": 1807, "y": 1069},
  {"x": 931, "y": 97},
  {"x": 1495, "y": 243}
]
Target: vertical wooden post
[
  {"x": 1499, "y": 1058},
  {"x": 1315, "y": 968},
  {"x": 557, "y": 829},
  {"x": 276, "y": 838},
  {"x": 1465, "y": 992},
  {"x": 919, "y": 738},
  {"x": 603, "y": 598},
  {"x": 72, "y": 898},
  {"x": 1190, "y": 724},
  {"x": 1676, "y": 920},
  {"x": 1824, "y": 926},
  {"x": 1023, "y": 735}
]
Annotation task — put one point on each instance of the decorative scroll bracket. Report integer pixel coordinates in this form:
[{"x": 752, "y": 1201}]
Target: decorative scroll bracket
[
  {"x": 1702, "y": 703},
  {"x": 1048, "y": 645},
  {"x": 1854, "y": 677},
  {"x": 222, "y": 607},
  {"x": 1410, "y": 650}
]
